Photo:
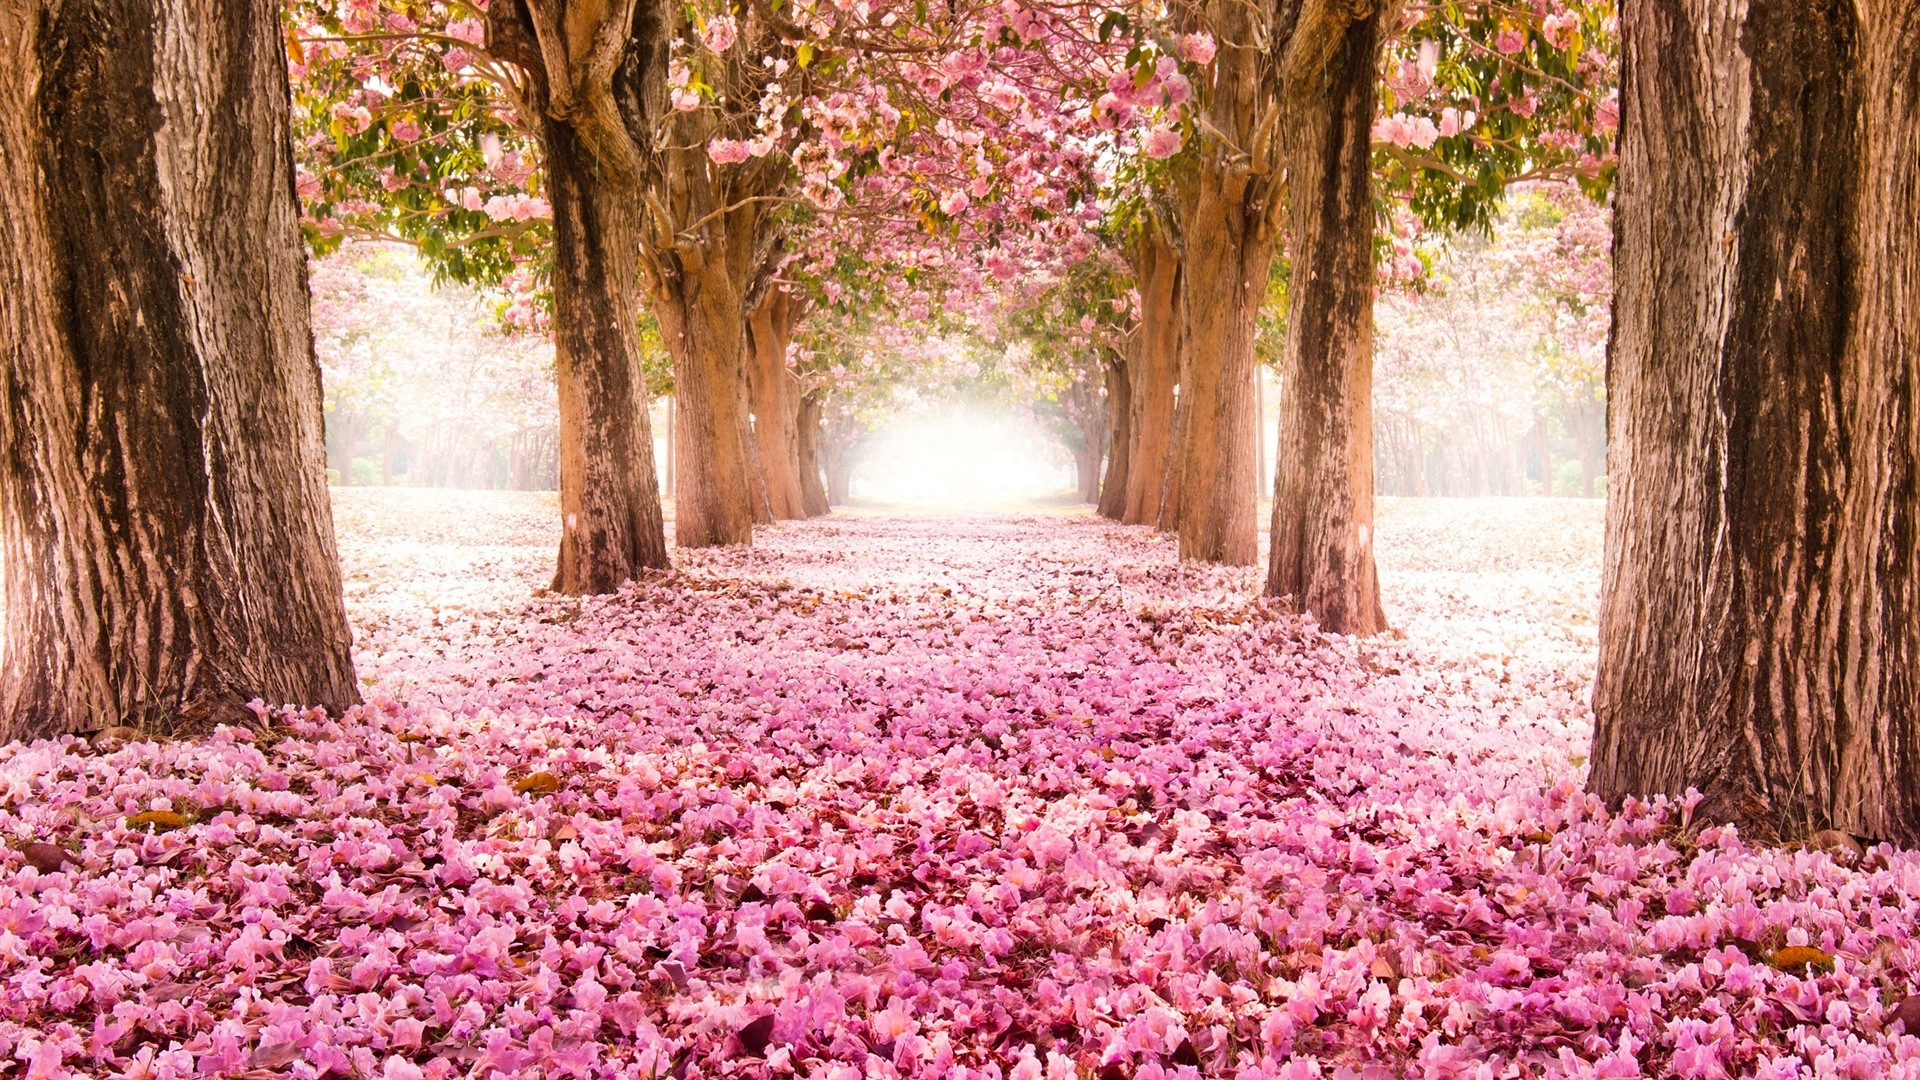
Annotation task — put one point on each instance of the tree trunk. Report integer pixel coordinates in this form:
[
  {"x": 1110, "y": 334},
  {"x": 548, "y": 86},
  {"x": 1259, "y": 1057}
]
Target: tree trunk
[
  {"x": 813, "y": 492},
  {"x": 1760, "y": 618},
  {"x": 342, "y": 430},
  {"x": 839, "y": 482},
  {"x": 673, "y": 425},
  {"x": 1587, "y": 422},
  {"x": 1220, "y": 298},
  {"x": 1543, "y": 453},
  {"x": 774, "y": 403},
  {"x": 1169, "y": 517},
  {"x": 703, "y": 321},
  {"x": 609, "y": 496},
  {"x": 1156, "y": 269},
  {"x": 1089, "y": 416},
  {"x": 1086, "y": 474},
  {"x": 1113, "y": 487},
  {"x": 1417, "y": 457},
  {"x": 164, "y": 521},
  {"x": 1321, "y": 553},
  {"x": 1226, "y": 235}
]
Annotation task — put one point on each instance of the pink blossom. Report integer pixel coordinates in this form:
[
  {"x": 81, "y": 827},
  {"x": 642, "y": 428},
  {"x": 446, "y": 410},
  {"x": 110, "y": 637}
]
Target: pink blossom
[
  {"x": 1559, "y": 29},
  {"x": 727, "y": 151},
  {"x": 354, "y": 119},
  {"x": 719, "y": 33},
  {"x": 1161, "y": 142},
  {"x": 1197, "y": 48},
  {"x": 1606, "y": 114}
]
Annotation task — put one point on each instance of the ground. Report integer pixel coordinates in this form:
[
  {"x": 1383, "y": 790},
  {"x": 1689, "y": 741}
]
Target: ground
[{"x": 979, "y": 796}]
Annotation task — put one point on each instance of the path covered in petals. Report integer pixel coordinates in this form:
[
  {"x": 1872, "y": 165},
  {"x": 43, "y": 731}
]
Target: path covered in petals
[{"x": 1014, "y": 796}]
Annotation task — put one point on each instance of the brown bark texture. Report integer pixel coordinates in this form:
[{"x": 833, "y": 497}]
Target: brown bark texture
[
  {"x": 609, "y": 493},
  {"x": 813, "y": 490},
  {"x": 1113, "y": 485},
  {"x": 1156, "y": 364},
  {"x": 1320, "y": 557},
  {"x": 1760, "y": 615},
  {"x": 1227, "y": 234},
  {"x": 164, "y": 520},
  {"x": 585, "y": 69},
  {"x": 703, "y": 322},
  {"x": 775, "y": 402},
  {"x": 701, "y": 228}
]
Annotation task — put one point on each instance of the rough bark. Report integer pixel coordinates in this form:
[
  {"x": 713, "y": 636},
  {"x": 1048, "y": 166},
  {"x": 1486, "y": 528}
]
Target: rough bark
[
  {"x": 612, "y": 530},
  {"x": 703, "y": 322},
  {"x": 1113, "y": 485},
  {"x": 601, "y": 68},
  {"x": 1156, "y": 267},
  {"x": 1220, "y": 297},
  {"x": 164, "y": 523},
  {"x": 775, "y": 403},
  {"x": 813, "y": 490},
  {"x": 1321, "y": 553},
  {"x": 585, "y": 69},
  {"x": 1760, "y": 619}
]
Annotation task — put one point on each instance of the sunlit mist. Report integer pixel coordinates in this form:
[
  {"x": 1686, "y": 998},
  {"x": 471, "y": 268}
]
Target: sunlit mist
[{"x": 972, "y": 456}]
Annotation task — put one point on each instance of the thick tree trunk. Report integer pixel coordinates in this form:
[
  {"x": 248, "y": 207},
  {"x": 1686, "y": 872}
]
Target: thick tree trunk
[
  {"x": 1157, "y": 365},
  {"x": 1220, "y": 298},
  {"x": 813, "y": 491},
  {"x": 609, "y": 494},
  {"x": 1226, "y": 235},
  {"x": 703, "y": 321},
  {"x": 1321, "y": 554},
  {"x": 774, "y": 402},
  {"x": 1760, "y": 620},
  {"x": 164, "y": 523},
  {"x": 1113, "y": 486}
]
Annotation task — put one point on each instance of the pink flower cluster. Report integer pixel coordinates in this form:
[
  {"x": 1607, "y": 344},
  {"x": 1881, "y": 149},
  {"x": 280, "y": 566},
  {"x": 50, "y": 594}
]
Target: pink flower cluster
[
  {"x": 517, "y": 207},
  {"x": 990, "y": 798}
]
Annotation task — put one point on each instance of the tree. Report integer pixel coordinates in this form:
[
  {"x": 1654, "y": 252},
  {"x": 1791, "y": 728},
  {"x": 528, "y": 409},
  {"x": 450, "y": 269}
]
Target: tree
[
  {"x": 1321, "y": 552},
  {"x": 584, "y": 82},
  {"x": 409, "y": 138},
  {"x": 1154, "y": 369},
  {"x": 777, "y": 402},
  {"x": 164, "y": 521},
  {"x": 1760, "y": 621}
]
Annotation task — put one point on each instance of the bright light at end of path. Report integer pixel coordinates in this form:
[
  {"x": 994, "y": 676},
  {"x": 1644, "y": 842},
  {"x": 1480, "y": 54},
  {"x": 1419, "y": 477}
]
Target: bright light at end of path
[{"x": 971, "y": 457}]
